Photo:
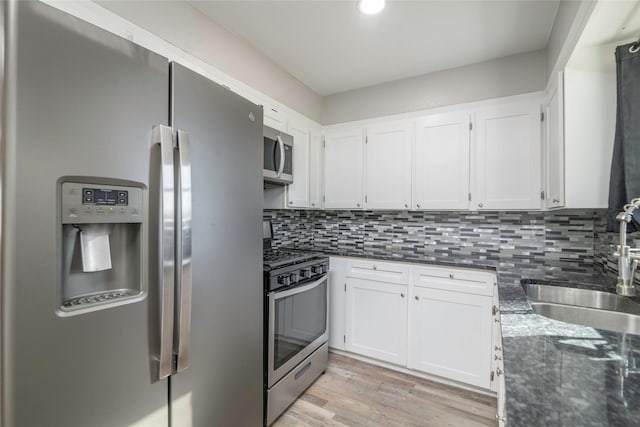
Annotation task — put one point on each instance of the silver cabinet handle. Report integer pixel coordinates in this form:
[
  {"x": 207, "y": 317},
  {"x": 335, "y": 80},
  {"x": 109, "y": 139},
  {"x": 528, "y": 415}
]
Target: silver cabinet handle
[
  {"x": 282, "y": 158},
  {"x": 163, "y": 136},
  {"x": 184, "y": 261},
  {"x": 479, "y": 205}
]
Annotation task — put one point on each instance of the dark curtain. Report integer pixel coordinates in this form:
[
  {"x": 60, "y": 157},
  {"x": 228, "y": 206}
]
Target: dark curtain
[{"x": 625, "y": 165}]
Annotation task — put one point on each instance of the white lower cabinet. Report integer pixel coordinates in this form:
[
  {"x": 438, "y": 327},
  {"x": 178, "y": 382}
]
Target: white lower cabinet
[
  {"x": 438, "y": 320},
  {"x": 337, "y": 302},
  {"x": 450, "y": 335},
  {"x": 376, "y": 322}
]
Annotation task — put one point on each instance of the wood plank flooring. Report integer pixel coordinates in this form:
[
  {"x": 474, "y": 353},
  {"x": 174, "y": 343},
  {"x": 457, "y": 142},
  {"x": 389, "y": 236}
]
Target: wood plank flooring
[{"x": 355, "y": 393}]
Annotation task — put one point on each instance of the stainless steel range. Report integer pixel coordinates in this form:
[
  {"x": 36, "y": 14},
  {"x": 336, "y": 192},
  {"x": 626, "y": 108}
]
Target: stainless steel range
[{"x": 296, "y": 324}]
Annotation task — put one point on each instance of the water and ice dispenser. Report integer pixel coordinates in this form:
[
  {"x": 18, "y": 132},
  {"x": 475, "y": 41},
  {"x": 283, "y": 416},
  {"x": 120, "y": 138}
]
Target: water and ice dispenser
[{"x": 101, "y": 245}]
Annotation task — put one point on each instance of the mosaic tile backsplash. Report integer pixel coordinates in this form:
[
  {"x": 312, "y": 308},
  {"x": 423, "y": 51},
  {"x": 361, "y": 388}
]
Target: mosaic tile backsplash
[{"x": 569, "y": 243}]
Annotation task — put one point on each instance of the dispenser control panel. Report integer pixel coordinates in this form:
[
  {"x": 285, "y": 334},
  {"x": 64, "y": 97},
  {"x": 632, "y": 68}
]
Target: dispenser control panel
[
  {"x": 84, "y": 203},
  {"x": 101, "y": 196}
]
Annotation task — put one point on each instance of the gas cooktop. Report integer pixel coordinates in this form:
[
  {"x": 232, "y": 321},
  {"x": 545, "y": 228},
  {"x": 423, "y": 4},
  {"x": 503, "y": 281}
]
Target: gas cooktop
[{"x": 276, "y": 258}]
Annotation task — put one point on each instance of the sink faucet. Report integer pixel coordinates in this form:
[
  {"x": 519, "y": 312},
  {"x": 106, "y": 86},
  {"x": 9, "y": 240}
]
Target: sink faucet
[{"x": 628, "y": 257}]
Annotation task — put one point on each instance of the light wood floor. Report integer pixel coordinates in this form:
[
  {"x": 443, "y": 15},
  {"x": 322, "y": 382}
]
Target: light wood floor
[{"x": 355, "y": 393}]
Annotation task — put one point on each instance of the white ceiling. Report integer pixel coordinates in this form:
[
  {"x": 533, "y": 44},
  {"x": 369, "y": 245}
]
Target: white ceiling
[{"x": 332, "y": 48}]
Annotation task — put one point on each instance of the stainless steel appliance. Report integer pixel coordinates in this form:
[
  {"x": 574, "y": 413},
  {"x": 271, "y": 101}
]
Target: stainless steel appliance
[
  {"x": 130, "y": 248},
  {"x": 278, "y": 157},
  {"x": 296, "y": 325}
]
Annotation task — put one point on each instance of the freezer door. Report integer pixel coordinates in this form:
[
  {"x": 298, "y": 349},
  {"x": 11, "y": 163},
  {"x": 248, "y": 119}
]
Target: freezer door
[
  {"x": 222, "y": 385},
  {"x": 82, "y": 103}
]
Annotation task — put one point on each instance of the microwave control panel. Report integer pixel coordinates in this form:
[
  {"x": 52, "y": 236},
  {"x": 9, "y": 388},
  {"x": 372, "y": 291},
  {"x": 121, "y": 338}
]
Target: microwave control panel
[{"x": 84, "y": 203}]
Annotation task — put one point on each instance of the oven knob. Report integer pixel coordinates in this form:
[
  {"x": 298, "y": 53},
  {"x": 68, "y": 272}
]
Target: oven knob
[
  {"x": 294, "y": 277},
  {"x": 305, "y": 273},
  {"x": 316, "y": 269},
  {"x": 284, "y": 280}
]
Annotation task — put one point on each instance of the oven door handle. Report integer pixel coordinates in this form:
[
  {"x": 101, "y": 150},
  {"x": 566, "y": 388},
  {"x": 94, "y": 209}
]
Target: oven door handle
[{"x": 299, "y": 289}]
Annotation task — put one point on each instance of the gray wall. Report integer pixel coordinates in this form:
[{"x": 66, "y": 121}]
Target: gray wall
[
  {"x": 512, "y": 75},
  {"x": 184, "y": 26}
]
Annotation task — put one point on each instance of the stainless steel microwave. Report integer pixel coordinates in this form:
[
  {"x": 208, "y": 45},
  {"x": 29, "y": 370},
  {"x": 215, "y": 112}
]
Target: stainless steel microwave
[{"x": 278, "y": 157}]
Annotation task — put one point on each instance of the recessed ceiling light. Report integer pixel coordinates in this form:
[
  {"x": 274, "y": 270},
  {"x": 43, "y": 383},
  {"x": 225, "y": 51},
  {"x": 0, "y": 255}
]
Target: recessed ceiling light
[{"x": 370, "y": 7}]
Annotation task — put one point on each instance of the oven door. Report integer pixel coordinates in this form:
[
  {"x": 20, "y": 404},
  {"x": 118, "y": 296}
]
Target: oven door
[{"x": 298, "y": 325}]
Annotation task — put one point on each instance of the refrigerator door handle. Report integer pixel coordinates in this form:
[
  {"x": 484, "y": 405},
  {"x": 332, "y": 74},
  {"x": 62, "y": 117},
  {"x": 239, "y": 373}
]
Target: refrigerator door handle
[
  {"x": 282, "y": 158},
  {"x": 163, "y": 135},
  {"x": 184, "y": 255}
]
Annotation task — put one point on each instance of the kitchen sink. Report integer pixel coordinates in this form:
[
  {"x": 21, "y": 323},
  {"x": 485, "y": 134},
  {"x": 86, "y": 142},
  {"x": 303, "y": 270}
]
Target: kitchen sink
[{"x": 601, "y": 310}]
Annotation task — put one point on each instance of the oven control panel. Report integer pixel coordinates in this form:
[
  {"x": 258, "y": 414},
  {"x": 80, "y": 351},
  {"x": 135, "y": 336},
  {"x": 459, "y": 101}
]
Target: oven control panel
[{"x": 297, "y": 274}]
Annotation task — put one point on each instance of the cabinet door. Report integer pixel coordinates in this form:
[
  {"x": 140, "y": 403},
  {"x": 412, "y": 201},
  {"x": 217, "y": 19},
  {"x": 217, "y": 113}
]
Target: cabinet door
[
  {"x": 274, "y": 118},
  {"x": 450, "y": 335},
  {"x": 388, "y": 166},
  {"x": 315, "y": 169},
  {"x": 377, "y": 320},
  {"x": 298, "y": 191},
  {"x": 343, "y": 169},
  {"x": 337, "y": 301},
  {"x": 441, "y": 162},
  {"x": 554, "y": 148},
  {"x": 507, "y": 158}
]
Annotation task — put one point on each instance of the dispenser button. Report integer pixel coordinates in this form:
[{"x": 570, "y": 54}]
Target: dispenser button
[
  {"x": 100, "y": 211},
  {"x": 88, "y": 210},
  {"x": 122, "y": 211},
  {"x": 88, "y": 199},
  {"x": 88, "y": 192},
  {"x": 122, "y": 201}
]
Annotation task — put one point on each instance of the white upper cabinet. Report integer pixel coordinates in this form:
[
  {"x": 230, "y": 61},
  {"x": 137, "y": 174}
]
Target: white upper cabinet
[
  {"x": 554, "y": 148},
  {"x": 441, "y": 162},
  {"x": 298, "y": 191},
  {"x": 274, "y": 118},
  {"x": 315, "y": 169},
  {"x": 388, "y": 166},
  {"x": 343, "y": 169},
  {"x": 507, "y": 157}
]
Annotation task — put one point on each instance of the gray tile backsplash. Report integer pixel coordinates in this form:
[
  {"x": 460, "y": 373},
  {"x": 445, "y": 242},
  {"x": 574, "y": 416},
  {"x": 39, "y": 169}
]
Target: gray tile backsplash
[{"x": 568, "y": 243}]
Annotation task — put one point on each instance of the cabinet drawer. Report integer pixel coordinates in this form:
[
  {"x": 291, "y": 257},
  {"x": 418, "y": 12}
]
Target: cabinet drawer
[
  {"x": 387, "y": 272},
  {"x": 452, "y": 279}
]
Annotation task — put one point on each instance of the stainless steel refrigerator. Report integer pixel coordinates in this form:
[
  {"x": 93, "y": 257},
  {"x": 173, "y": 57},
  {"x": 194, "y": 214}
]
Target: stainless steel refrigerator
[{"x": 131, "y": 234}]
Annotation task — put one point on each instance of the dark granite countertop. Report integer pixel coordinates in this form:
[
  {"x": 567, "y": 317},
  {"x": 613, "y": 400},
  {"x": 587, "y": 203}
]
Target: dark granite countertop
[
  {"x": 556, "y": 373},
  {"x": 561, "y": 374}
]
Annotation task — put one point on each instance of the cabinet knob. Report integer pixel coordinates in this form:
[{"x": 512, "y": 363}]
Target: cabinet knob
[
  {"x": 417, "y": 205},
  {"x": 556, "y": 200},
  {"x": 290, "y": 202},
  {"x": 313, "y": 204},
  {"x": 402, "y": 295},
  {"x": 479, "y": 205},
  {"x": 451, "y": 276},
  {"x": 417, "y": 298},
  {"x": 406, "y": 205},
  {"x": 375, "y": 267},
  {"x": 358, "y": 204}
]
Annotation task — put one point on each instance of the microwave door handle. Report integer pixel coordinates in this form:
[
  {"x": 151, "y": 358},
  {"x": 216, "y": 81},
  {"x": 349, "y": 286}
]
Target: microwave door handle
[
  {"x": 183, "y": 328},
  {"x": 163, "y": 136},
  {"x": 282, "y": 158}
]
